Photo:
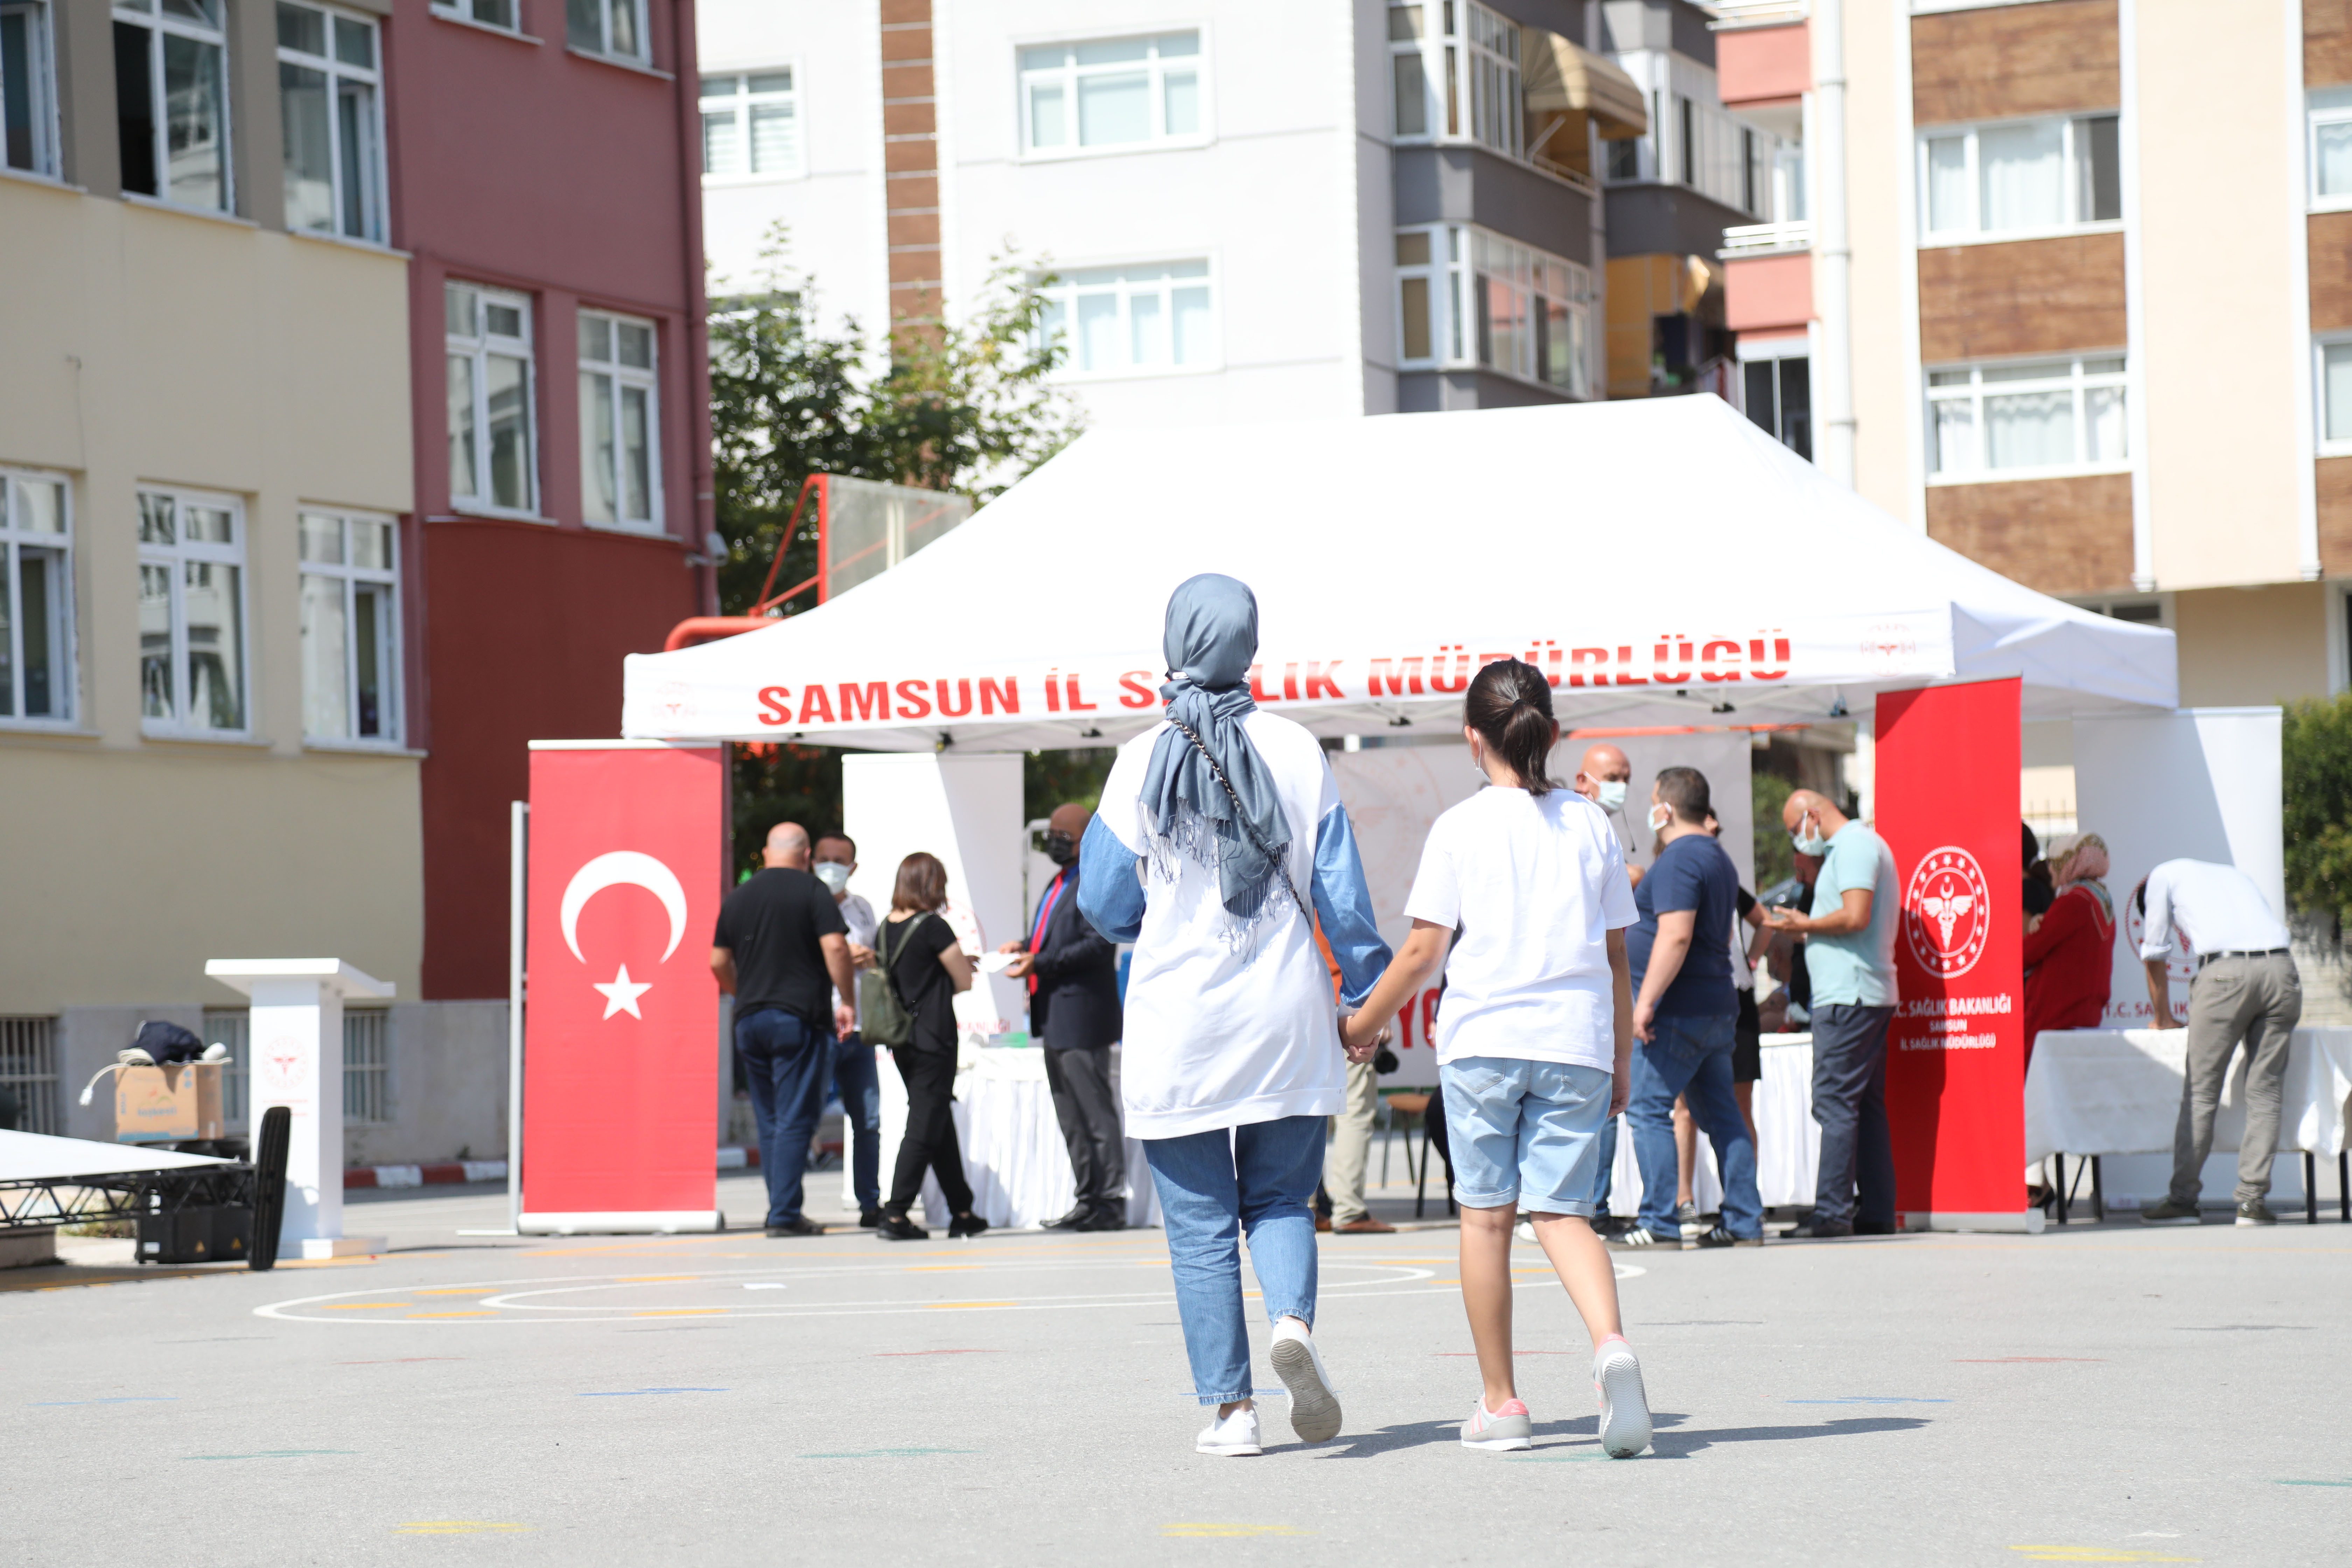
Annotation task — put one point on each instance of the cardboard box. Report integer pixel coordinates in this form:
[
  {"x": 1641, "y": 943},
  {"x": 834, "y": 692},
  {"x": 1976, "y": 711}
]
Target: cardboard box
[{"x": 173, "y": 1104}]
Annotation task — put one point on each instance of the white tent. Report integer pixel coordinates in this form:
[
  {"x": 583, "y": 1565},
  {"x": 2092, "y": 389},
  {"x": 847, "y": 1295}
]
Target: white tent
[{"x": 1667, "y": 560}]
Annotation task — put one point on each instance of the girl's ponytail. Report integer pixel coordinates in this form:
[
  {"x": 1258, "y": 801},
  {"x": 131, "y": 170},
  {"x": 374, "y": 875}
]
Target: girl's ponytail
[{"x": 1510, "y": 706}]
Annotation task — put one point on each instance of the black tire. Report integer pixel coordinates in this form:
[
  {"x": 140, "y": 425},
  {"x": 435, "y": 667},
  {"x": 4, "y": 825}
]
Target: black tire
[{"x": 269, "y": 1185}]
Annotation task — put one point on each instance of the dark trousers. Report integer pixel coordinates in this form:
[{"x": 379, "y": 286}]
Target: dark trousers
[
  {"x": 860, "y": 1089},
  {"x": 787, "y": 1064},
  {"x": 931, "y": 1140},
  {"x": 1850, "y": 1103},
  {"x": 1086, "y": 1106}
]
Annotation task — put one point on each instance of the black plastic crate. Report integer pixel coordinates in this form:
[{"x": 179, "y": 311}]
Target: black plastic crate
[{"x": 211, "y": 1233}]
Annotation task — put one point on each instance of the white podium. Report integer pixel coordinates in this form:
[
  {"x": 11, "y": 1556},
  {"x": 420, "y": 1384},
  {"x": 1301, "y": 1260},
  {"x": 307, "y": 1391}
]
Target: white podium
[{"x": 295, "y": 1058}]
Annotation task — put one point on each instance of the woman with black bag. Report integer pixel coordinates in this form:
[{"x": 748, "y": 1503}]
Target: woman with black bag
[{"x": 909, "y": 1005}]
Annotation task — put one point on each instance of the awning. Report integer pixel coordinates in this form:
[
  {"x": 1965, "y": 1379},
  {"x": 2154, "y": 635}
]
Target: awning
[{"x": 1563, "y": 76}]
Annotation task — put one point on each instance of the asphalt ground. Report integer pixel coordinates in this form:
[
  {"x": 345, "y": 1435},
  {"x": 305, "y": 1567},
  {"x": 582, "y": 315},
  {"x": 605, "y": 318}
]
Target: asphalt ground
[{"x": 2114, "y": 1393}]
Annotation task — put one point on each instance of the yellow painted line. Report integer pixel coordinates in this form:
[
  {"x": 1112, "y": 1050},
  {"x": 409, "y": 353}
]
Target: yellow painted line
[
  {"x": 683, "y": 1312},
  {"x": 950, "y": 1306},
  {"x": 362, "y": 1306},
  {"x": 453, "y": 1314}
]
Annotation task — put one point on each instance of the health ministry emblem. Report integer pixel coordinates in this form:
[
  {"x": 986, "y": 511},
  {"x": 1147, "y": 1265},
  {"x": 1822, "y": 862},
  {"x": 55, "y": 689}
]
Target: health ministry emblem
[
  {"x": 624, "y": 867},
  {"x": 1947, "y": 911}
]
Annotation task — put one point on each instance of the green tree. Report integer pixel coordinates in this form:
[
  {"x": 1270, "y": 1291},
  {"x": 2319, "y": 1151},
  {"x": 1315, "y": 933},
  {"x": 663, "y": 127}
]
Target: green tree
[
  {"x": 962, "y": 406},
  {"x": 2316, "y": 755},
  {"x": 1775, "y": 856}
]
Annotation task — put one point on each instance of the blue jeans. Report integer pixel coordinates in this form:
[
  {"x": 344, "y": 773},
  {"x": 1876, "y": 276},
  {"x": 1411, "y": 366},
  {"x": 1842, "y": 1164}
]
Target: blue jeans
[
  {"x": 1601, "y": 1180},
  {"x": 860, "y": 1088},
  {"x": 1214, "y": 1185},
  {"x": 1692, "y": 1057},
  {"x": 1850, "y": 1102},
  {"x": 787, "y": 1063}
]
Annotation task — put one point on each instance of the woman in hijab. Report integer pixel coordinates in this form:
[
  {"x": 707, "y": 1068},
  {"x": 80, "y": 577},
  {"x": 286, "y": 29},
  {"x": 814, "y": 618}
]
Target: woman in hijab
[
  {"x": 1216, "y": 829},
  {"x": 2070, "y": 950}
]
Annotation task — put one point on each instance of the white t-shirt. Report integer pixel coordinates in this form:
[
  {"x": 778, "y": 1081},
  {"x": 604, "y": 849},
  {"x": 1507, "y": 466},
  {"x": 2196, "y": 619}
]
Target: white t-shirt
[
  {"x": 1219, "y": 1037},
  {"x": 1537, "y": 884}
]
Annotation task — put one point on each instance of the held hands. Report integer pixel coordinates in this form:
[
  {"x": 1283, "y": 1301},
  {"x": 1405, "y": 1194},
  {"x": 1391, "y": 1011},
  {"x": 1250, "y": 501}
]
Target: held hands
[{"x": 1362, "y": 1034}]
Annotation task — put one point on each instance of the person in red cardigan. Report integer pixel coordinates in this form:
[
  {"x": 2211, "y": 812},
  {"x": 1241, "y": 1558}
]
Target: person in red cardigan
[{"x": 2070, "y": 950}]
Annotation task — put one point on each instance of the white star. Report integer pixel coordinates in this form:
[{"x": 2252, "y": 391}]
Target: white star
[{"x": 621, "y": 994}]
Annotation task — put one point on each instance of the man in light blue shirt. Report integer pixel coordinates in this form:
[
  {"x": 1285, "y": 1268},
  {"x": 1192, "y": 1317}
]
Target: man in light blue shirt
[{"x": 1849, "y": 954}]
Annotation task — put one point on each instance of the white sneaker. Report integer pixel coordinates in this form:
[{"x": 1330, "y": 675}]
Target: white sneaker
[
  {"x": 1624, "y": 1408},
  {"x": 1233, "y": 1436},
  {"x": 1313, "y": 1403},
  {"x": 1507, "y": 1430}
]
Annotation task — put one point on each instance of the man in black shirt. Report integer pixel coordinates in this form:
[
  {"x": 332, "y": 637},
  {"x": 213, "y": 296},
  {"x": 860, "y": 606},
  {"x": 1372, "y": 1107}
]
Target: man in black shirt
[{"x": 783, "y": 949}]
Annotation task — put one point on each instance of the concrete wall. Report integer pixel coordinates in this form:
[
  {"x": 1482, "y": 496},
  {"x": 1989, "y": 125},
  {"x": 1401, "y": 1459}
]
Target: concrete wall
[
  {"x": 2241, "y": 647},
  {"x": 1883, "y": 287}
]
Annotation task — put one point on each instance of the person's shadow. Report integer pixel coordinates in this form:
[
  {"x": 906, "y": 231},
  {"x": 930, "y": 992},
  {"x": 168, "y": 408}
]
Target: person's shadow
[{"x": 1665, "y": 1442}]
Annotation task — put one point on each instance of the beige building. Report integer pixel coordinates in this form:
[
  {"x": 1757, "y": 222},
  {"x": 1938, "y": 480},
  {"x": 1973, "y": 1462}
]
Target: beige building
[{"x": 204, "y": 440}]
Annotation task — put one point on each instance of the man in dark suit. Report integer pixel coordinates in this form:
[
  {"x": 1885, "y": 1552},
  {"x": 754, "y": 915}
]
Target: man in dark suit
[{"x": 1074, "y": 1013}]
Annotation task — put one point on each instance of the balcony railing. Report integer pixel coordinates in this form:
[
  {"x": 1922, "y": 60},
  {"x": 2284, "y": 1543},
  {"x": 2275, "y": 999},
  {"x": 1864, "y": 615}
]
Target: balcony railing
[{"x": 1766, "y": 238}]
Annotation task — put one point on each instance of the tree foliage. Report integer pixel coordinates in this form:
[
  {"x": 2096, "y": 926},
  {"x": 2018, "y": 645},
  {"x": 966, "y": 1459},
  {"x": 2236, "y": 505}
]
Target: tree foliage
[
  {"x": 963, "y": 405},
  {"x": 2316, "y": 759}
]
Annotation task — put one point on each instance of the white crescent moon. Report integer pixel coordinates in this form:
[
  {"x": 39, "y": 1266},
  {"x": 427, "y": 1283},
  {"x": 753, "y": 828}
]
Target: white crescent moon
[{"x": 611, "y": 870}]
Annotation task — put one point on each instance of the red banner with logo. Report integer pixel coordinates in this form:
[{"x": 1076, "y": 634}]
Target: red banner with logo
[
  {"x": 620, "y": 1028},
  {"x": 1946, "y": 804}
]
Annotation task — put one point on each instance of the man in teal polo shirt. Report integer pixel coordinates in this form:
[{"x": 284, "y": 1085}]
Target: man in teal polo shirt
[{"x": 1849, "y": 954}]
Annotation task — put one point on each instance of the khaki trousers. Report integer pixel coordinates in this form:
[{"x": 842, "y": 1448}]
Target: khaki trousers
[
  {"x": 1351, "y": 1145},
  {"x": 2257, "y": 1000}
]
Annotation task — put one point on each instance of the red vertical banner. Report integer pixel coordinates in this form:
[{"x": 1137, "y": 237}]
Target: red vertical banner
[
  {"x": 1947, "y": 804},
  {"x": 620, "y": 1026}
]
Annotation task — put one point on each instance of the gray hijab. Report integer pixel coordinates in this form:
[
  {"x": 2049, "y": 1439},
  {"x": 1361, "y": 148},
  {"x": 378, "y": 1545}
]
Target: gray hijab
[{"x": 1210, "y": 638}]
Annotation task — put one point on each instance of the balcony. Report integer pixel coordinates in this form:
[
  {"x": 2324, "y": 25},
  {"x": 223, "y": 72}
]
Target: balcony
[{"x": 1753, "y": 240}]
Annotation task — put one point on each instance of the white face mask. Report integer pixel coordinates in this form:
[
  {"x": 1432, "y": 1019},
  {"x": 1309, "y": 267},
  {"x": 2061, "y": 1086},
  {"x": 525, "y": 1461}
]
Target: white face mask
[
  {"x": 1610, "y": 793},
  {"x": 1659, "y": 815},
  {"x": 834, "y": 875},
  {"x": 1808, "y": 837}
]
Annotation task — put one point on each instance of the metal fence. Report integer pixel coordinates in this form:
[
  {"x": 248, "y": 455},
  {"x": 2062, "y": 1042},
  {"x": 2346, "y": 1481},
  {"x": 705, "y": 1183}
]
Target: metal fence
[
  {"x": 367, "y": 1064},
  {"x": 28, "y": 1073},
  {"x": 231, "y": 1026}
]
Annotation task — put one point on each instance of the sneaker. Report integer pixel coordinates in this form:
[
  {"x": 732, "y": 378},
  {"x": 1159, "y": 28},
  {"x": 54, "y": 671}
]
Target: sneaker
[
  {"x": 1686, "y": 1213},
  {"x": 1313, "y": 1403},
  {"x": 1502, "y": 1431},
  {"x": 1719, "y": 1237},
  {"x": 2168, "y": 1211},
  {"x": 869, "y": 1219},
  {"x": 1821, "y": 1230},
  {"x": 901, "y": 1229},
  {"x": 801, "y": 1226},
  {"x": 1607, "y": 1227},
  {"x": 1624, "y": 1408},
  {"x": 964, "y": 1224},
  {"x": 1639, "y": 1235},
  {"x": 1233, "y": 1436},
  {"x": 2253, "y": 1211}
]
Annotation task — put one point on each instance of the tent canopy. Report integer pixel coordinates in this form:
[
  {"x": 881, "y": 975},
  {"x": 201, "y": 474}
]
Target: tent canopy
[{"x": 1666, "y": 559}]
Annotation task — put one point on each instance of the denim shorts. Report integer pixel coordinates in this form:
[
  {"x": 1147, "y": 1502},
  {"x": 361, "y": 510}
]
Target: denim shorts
[{"x": 1523, "y": 1132}]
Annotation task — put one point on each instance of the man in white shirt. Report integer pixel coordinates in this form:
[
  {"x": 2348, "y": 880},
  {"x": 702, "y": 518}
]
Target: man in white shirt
[
  {"x": 2247, "y": 989},
  {"x": 1602, "y": 778},
  {"x": 854, "y": 1077}
]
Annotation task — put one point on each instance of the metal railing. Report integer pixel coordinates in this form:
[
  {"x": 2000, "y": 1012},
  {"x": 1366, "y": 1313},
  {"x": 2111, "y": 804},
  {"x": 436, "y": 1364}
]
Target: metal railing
[
  {"x": 28, "y": 1073},
  {"x": 1750, "y": 238},
  {"x": 231, "y": 1026}
]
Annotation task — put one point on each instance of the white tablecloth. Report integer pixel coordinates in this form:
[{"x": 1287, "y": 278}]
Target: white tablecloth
[
  {"x": 1013, "y": 1154},
  {"x": 2117, "y": 1092}
]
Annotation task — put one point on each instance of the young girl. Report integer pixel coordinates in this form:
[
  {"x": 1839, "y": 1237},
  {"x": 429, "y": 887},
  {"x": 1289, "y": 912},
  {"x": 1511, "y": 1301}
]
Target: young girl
[{"x": 1534, "y": 1037}]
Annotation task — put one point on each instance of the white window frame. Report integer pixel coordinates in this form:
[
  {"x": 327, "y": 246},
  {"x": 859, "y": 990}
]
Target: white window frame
[
  {"x": 2325, "y": 444},
  {"x": 1464, "y": 73},
  {"x": 645, "y": 378},
  {"x": 176, "y": 556},
  {"x": 158, "y": 22},
  {"x": 603, "y": 49},
  {"x": 2323, "y": 106},
  {"x": 1061, "y": 313},
  {"x": 351, "y": 578},
  {"x": 742, "y": 103},
  {"x": 40, "y": 76},
  {"x": 1977, "y": 389},
  {"x": 2108, "y": 603},
  {"x": 14, "y": 542},
  {"x": 375, "y": 219},
  {"x": 479, "y": 347},
  {"x": 470, "y": 11},
  {"x": 1453, "y": 271},
  {"x": 1975, "y": 233},
  {"x": 1157, "y": 69}
]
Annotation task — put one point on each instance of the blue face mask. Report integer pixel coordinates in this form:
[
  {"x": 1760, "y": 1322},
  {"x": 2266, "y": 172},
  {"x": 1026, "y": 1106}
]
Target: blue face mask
[
  {"x": 1808, "y": 839},
  {"x": 1610, "y": 793}
]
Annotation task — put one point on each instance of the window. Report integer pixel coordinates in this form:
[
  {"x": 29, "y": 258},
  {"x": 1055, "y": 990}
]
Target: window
[
  {"x": 493, "y": 463},
  {"x": 2021, "y": 178},
  {"x": 1455, "y": 74},
  {"x": 171, "y": 101},
  {"x": 1779, "y": 399},
  {"x": 2331, "y": 148},
  {"x": 615, "y": 28},
  {"x": 499, "y": 13},
  {"x": 327, "y": 94},
  {"x": 620, "y": 464},
  {"x": 190, "y": 612},
  {"x": 2335, "y": 386},
  {"x": 350, "y": 581},
  {"x": 751, "y": 125},
  {"x": 28, "y": 122},
  {"x": 36, "y": 598},
  {"x": 1131, "y": 320},
  {"x": 2007, "y": 421},
  {"x": 1116, "y": 92},
  {"x": 1466, "y": 297}
]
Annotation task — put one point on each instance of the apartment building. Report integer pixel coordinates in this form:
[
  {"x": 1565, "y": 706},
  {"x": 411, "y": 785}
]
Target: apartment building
[
  {"x": 265, "y": 667},
  {"x": 1248, "y": 210},
  {"x": 2063, "y": 321}
]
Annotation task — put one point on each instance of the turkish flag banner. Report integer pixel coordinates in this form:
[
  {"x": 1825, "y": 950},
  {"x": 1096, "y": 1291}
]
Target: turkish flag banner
[
  {"x": 620, "y": 1060},
  {"x": 1946, "y": 802}
]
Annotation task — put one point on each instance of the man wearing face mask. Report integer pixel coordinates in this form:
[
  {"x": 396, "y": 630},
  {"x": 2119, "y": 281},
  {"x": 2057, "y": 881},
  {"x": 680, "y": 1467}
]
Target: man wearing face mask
[
  {"x": 855, "y": 1079},
  {"x": 1602, "y": 778},
  {"x": 1074, "y": 1014},
  {"x": 1850, "y": 958}
]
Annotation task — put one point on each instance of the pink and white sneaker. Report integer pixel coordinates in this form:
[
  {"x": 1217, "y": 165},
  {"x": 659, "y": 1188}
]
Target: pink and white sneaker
[
  {"x": 1624, "y": 1408},
  {"x": 1499, "y": 1431}
]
